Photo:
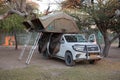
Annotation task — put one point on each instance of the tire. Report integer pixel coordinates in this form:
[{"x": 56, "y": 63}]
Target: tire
[
  {"x": 46, "y": 55},
  {"x": 39, "y": 49},
  {"x": 69, "y": 59},
  {"x": 92, "y": 61}
]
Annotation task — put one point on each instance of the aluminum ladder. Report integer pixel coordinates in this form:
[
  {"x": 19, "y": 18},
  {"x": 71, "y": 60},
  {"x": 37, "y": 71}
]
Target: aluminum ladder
[
  {"x": 32, "y": 48},
  {"x": 25, "y": 46}
]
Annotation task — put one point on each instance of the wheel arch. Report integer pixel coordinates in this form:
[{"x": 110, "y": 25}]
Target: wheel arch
[
  {"x": 72, "y": 62},
  {"x": 69, "y": 52}
]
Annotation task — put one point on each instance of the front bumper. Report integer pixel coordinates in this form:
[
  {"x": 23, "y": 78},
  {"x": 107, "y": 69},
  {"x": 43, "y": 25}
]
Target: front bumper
[{"x": 96, "y": 58}]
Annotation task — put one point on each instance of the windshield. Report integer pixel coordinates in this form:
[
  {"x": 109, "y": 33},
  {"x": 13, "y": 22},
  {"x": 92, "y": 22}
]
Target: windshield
[{"x": 75, "y": 38}]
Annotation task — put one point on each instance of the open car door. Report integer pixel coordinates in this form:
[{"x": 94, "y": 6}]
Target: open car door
[{"x": 92, "y": 39}]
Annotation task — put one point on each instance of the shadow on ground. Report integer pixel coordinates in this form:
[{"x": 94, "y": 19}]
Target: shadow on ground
[{"x": 9, "y": 59}]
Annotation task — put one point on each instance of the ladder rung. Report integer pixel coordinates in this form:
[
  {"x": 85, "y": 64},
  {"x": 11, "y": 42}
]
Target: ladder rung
[
  {"x": 33, "y": 48},
  {"x": 23, "y": 50}
]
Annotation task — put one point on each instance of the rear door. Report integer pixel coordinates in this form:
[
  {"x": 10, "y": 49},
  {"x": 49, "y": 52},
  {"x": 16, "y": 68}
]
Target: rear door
[
  {"x": 92, "y": 39},
  {"x": 62, "y": 50}
]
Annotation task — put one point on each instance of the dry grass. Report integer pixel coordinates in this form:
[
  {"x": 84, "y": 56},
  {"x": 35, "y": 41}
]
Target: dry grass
[
  {"x": 103, "y": 70},
  {"x": 106, "y": 69}
]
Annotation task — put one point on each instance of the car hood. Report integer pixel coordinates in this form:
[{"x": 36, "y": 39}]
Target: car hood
[{"x": 83, "y": 43}]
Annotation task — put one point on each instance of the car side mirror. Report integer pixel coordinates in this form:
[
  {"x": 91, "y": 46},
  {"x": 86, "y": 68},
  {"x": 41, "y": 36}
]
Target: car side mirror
[
  {"x": 62, "y": 42},
  {"x": 91, "y": 40}
]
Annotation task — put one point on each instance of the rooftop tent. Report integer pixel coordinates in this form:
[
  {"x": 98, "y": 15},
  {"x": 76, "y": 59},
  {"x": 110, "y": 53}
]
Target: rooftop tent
[{"x": 56, "y": 22}]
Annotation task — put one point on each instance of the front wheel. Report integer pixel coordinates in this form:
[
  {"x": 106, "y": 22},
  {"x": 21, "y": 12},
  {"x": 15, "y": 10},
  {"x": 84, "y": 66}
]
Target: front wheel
[
  {"x": 92, "y": 61},
  {"x": 69, "y": 59}
]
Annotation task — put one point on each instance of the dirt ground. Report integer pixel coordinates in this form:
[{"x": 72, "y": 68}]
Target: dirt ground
[{"x": 9, "y": 58}]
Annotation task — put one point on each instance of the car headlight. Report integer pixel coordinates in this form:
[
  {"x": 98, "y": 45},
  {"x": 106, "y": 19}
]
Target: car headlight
[{"x": 79, "y": 48}]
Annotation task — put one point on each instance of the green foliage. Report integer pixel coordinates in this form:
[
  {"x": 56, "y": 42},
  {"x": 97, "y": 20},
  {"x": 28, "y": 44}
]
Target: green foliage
[
  {"x": 12, "y": 23},
  {"x": 116, "y": 26},
  {"x": 103, "y": 14},
  {"x": 78, "y": 21},
  {"x": 3, "y": 8},
  {"x": 83, "y": 21}
]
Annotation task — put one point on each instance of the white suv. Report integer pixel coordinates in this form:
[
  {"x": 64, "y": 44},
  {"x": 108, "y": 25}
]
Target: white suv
[{"x": 69, "y": 47}]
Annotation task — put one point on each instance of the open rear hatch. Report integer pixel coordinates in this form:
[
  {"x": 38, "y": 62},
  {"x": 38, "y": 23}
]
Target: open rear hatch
[{"x": 34, "y": 25}]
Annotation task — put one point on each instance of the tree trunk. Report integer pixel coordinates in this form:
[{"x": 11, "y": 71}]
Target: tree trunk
[
  {"x": 107, "y": 45},
  {"x": 16, "y": 43},
  {"x": 23, "y": 5},
  {"x": 119, "y": 43},
  {"x": 106, "y": 49}
]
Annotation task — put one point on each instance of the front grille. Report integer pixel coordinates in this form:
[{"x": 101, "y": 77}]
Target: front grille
[{"x": 92, "y": 48}]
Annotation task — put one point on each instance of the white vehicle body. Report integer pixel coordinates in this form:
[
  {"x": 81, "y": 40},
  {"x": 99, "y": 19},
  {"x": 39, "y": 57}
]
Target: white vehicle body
[
  {"x": 74, "y": 48},
  {"x": 68, "y": 46}
]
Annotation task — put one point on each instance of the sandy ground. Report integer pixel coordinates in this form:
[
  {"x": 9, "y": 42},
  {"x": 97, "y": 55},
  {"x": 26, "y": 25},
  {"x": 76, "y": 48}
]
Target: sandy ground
[{"x": 9, "y": 58}]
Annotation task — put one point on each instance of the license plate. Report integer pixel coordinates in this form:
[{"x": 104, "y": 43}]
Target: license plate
[{"x": 93, "y": 56}]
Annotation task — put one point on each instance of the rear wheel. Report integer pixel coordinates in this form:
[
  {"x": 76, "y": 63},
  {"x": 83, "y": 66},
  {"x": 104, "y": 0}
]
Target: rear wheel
[
  {"x": 39, "y": 48},
  {"x": 69, "y": 59},
  {"x": 46, "y": 55}
]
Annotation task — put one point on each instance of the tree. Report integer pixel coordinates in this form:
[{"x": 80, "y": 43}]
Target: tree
[
  {"x": 106, "y": 20},
  {"x": 21, "y": 7},
  {"x": 72, "y": 4},
  {"x": 106, "y": 16},
  {"x": 119, "y": 43},
  {"x": 12, "y": 25}
]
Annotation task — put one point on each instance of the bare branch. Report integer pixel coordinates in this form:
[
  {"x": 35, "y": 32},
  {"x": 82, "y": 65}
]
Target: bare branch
[
  {"x": 118, "y": 35},
  {"x": 20, "y": 7},
  {"x": 23, "y": 5},
  {"x": 10, "y": 12},
  {"x": 47, "y": 11},
  {"x": 18, "y": 12}
]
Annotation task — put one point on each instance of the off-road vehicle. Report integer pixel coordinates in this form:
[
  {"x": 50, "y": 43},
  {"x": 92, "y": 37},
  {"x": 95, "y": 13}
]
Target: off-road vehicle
[{"x": 69, "y": 47}]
